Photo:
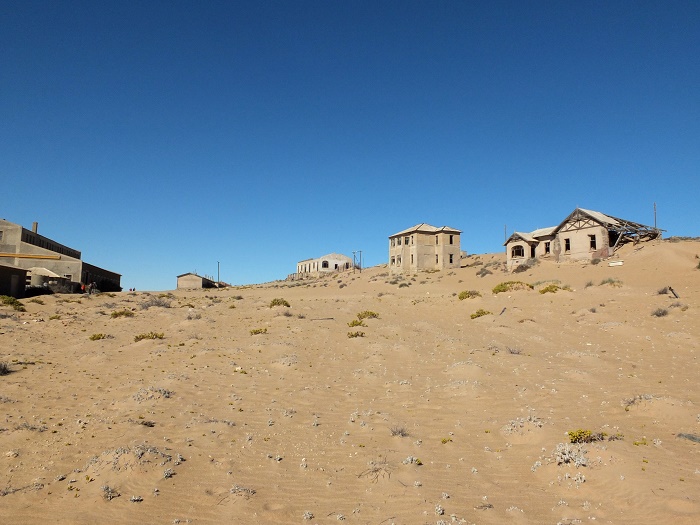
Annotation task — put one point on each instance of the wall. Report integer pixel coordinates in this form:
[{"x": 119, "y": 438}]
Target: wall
[
  {"x": 420, "y": 252},
  {"x": 12, "y": 281},
  {"x": 580, "y": 247}
]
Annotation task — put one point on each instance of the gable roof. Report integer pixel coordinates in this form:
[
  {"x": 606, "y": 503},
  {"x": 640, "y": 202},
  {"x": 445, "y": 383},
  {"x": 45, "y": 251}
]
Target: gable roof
[
  {"x": 426, "y": 228},
  {"x": 532, "y": 237}
]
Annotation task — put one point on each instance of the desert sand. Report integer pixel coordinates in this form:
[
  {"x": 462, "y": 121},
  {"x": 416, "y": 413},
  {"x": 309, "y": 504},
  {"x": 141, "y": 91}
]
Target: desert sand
[{"x": 426, "y": 416}]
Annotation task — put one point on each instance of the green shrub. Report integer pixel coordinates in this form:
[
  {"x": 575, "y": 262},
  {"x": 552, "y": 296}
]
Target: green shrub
[
  {"x": 552, "y": 288},
  {"x": 54, "y": 318},
  {"x": 480, "y": 313},
  {"x": 468, "y": 294},
  {"x": 278, "y": 302},
  {"x": 97, "y": 337},
  {"x": 356, "y": 322},
  {"x": 509, "y": 286},
  {"x": 14, "y": 303},
  {"x": 122, "y": 313},
  {"x": 367, "y": 314},
  {"x": 36, "y": 301},
  {"x": 585, "y": 436},
  {"x": 257, "y": 331},
  {"x": 149, "y": 335},
  {"x": 352, "y": 335}
]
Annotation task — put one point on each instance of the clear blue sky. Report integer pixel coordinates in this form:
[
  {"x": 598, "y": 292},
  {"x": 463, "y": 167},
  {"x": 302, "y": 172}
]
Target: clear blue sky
[{"x": 161, "y": 137}]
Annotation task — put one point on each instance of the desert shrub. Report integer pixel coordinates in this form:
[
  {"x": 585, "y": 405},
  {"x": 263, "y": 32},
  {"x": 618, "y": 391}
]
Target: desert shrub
[
  {"x": 257, "y": 331},
  {"x": 356, "y": 322},
  {"x": 525, "y": 266},
  {"x": 14, "y": 303},
  {"x": 149, "y": 335},
  {"x": 612, "y": 282},
  {"x": 552, "y": 288},
  {"x": 483, "y": 272},
  {"x": 368, "y": 314},
  {"x": 509, "y": 286},
  {"x": 468, "y": 294},
  {"x": 54, "y": 317},
  {"x": 352, "y": 335},
  {"x": 36, "y": 301},
  {"x": 595, "y": 260},
  {"x": 571, "y": 453},
  {"x": 404, "y": 285},
  {"x": 122, "y": 313},
  {"x": 698, "y": 266},
  {"x": 588, "y": 284},
  {"x": 237, "y": 297},
  {"x": 161, "y": 301},
  {"x": 33, "y": 291},
  {"x": 480, "y": 313},
  {"x": 585, "y": 436},
  {"x": 279, "y": 302},
  {"x": 4, "y": 368},
  {"x": 660, "y": 312},
  {"x": 97, "y": 337},
  {"x": 399, "y": 431}
]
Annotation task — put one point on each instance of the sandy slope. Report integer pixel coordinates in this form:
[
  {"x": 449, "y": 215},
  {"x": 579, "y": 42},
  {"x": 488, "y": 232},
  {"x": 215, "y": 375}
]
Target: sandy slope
[{"x": 214, "y": 425}]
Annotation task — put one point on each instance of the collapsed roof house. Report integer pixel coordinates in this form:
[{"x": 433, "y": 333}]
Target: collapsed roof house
[{"x": 583, "y": 235}]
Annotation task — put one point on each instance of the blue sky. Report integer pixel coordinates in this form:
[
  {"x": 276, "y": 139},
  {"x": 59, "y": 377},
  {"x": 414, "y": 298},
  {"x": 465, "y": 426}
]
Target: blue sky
[{"x": 161, "y": 137}]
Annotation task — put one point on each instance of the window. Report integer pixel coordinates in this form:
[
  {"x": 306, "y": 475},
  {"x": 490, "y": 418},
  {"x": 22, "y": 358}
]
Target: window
[
  {"x": 567, "y": 245},
  {"x": 436, "y": 239},
  {"x": 393, "y": 242},
  {"x": 324, "y": 264},
  {"x": 336, "y": 266},
  {"x": 398, "y": 260},
  {"x": 593, "y": 243},
  {"x": 1, "y": 235},
  {"x": 405, "y": 240},
  {"x": 393, "y": 261},
  {"x": 411, "y": 239},
  {"x": 398, "y": 241},
  {"x": 517, "y": 251},
  {"x": 451, "y": 258},
  {"x": 546, "y": 248},
  {"x": 436, "y": 258},
  {"x": 451, "y": 239},
  {"x": 411, "y": 258}
]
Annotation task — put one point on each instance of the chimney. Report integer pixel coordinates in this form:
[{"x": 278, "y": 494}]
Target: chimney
[{"x": 35, "y": 227}]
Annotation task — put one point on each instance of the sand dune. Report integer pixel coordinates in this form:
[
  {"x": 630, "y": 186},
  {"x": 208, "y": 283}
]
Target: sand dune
[{"x": 428, "y": 416}]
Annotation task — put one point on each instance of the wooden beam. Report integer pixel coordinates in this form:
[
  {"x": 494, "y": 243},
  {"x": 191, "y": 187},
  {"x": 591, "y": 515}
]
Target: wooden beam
[{"x": 30, "y": 256}]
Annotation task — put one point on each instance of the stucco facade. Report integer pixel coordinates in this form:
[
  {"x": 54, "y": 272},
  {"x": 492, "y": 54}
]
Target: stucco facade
[
  {"x": 332, "y": 262},
  {"x": 192, "y": 280},
  {"x": 27, "y": 248},
  {"x": 425, "y": 247},
  {"x": 583, "y": 235}
]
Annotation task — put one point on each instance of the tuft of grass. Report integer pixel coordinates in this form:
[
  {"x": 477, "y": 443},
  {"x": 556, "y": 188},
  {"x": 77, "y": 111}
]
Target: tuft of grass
[
  {"x": 149, "y": 335},
  {"x": 257, "y": 331},
  {"x": 399, "y": 431},
  {"x": 509, "y": 286},
  {"x": 279, "y": 302},
  {"x": 352, "y": 335},
  {"x": 367, "y": 314},
  {"x": 612, "y": 282},
  {"x": 483, "y": 272},
  {"x": 468, "y": 294},
  {"x": 36, "y": 301},
  {"x": 162, "y": 301},
  {"x": 122, "y": 313},
  {"x": 552, "y": 288},
  {"x": 480, "y": 313},
  {"x": 660, "y": 312},
  {"x": 14, "y": 303},
  {"x": 356, "y": 322},
  {"x": 54, "y": 317},
  {"x": 588, "y": 284},
  {"x": 97, "y": 337}
]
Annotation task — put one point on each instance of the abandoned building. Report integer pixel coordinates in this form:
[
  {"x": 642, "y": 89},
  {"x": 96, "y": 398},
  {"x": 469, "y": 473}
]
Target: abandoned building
[
  {"x": 27, "y": 249},
  {"x": 425, "y": 247},
  {"x": 583, "y": 235},
  {"x": 192, "y": 280},
  {"x": 12, "y": 280},
  {"x": 333, "y": 262}
]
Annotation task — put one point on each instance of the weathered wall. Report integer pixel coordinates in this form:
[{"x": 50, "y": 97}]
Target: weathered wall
[{"x": 12, "y": 281}]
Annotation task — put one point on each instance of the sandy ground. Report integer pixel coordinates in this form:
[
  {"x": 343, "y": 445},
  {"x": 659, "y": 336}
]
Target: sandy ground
[{"x": 429, "y": 417}]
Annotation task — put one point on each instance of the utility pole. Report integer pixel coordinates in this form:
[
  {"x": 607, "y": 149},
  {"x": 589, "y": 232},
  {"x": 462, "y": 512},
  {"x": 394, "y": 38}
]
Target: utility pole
[
  {"x": 218, "y": 274},
  {"x": 355, "y": 260},
  {"x": 655, "y": 216}
]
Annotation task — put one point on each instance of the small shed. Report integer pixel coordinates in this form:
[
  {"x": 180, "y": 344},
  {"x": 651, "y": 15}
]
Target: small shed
[
  {"x": 192, "y": 280},
  {"x": 12, "y": 280}
]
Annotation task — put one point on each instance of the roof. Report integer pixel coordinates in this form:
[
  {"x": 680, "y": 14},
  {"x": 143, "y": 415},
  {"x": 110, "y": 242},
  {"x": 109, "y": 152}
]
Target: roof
[
  {"x": 196, "y": 275},
  {"x": 5, "y": 265},
  {"x": 426, "y": 228},
  {"x": 532, "y": 237},
  {"x": 36, "y": 270}
]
